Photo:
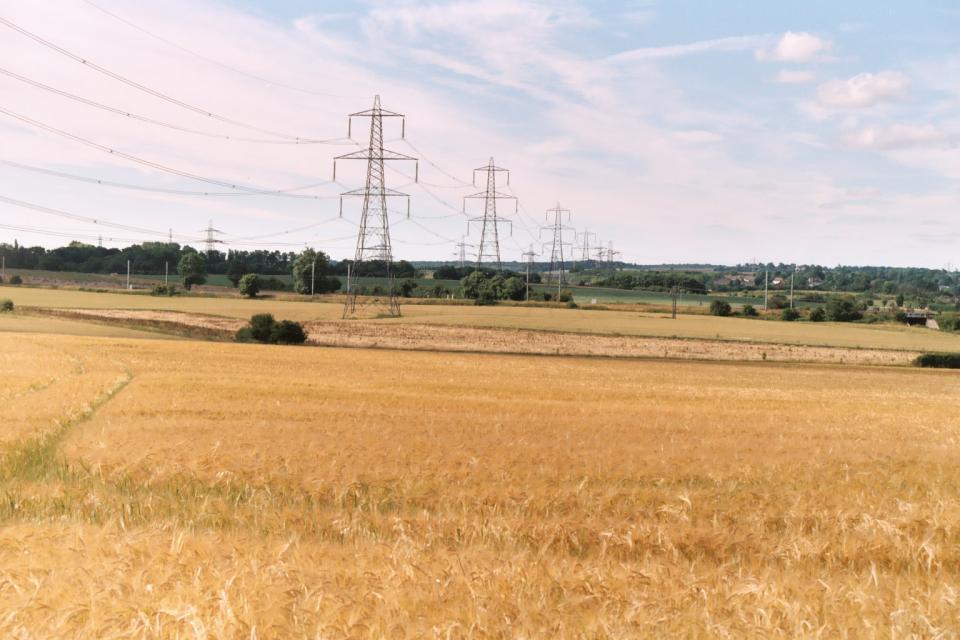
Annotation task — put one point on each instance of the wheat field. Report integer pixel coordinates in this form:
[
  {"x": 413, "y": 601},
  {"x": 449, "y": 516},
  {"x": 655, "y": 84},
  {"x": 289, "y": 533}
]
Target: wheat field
[{"x": 187, "y": 489}]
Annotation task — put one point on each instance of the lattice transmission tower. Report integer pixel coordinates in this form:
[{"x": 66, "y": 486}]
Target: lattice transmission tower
[
  {"x": 611, "y": 254},
  {"x": 210, "y": 240},
  {"x": 462, "y": 251},
  {"x": 373, "y": 237},
  {"x": 585, "y": 247},
  {"x": 556, "y": 243},
  {"x": 489, "y": 248}
]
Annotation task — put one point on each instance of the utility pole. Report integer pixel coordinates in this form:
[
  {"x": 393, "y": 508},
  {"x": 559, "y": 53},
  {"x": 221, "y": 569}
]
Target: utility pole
[
  {"x": 674, "y": 292},
  {"x": 313, "y": 274},
  {"x": 373, "y": 238},
  {"x": 791, "y": 284},
  {"x": 128, "y": 275},
  {"x": 166, "y": 272},
  {"x": 766, "y": 288},
  {"x": 489, "y": 222},
  {"x": 100, "y": 242},
  {"x": 556, "y": 243},
  {"x": 529, "y": 255}
]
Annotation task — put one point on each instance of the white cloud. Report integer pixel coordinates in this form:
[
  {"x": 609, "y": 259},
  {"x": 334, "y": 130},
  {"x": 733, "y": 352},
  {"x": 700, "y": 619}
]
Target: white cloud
[
  {"x": 733, "y": 43},
  {"x": 863, "y": 90},
  {"x": 795, "y": 77},
  {"x": 796, "y": 47},
  {"x": 897, "y": 136}
]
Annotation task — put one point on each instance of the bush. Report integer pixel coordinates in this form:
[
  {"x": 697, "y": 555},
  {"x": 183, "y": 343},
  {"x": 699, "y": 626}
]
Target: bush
[
  {"x": 565, "y": 296},
  {"x": 778, "y": 301},
  {"x": 164, "y": 290},
  {"x": 749, "y": 311},
  {"x": 261, "y": 325},
  {"x": 288, "y": 332},
  {"x": 250, "y": 285},
  {"x": 900, "y": 316},
  {"x": 571, "y": 305},
  {"x": 789, "y": 315},
  {"x": 818, "y": 315},
  {"x": 843, "y": 309},
  {"x": 720, "y": 308},
  {"x": 16, "y": 280},
  {"x": 6, "y": 305},
  {"x": 938, "y": 360},
  {"x": 264, "y": 328}
]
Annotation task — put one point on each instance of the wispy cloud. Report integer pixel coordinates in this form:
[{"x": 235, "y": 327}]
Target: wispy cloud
[{"x": 718, "y": 45}]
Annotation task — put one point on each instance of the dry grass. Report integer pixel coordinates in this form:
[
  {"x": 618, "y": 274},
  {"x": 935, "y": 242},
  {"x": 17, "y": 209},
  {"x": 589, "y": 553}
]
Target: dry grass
[
  {"x": 239, "y": 490},
  {"x": 884, "y": 336}
]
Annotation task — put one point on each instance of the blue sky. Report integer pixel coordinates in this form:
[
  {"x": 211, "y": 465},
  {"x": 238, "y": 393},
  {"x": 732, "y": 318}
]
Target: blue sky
[{"x": 810, "y": 132}]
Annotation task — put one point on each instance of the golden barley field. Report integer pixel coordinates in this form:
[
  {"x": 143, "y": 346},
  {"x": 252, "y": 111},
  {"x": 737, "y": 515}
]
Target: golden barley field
[
  {"x": 178, "y": 489},
  {"x": 626, "y": 323}
]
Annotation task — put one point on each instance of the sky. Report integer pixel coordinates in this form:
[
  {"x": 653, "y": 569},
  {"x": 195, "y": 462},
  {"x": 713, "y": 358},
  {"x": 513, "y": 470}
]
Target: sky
[{"x": 682, "y": 132}]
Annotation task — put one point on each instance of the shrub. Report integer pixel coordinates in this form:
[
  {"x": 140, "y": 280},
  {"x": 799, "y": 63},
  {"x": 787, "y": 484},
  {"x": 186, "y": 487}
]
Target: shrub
[
  {"x": 938, "y": 360},
  {"x": 250, "y": 285},
  {"x": 164, "y": 290},
  {"x": 264, "y": 328},
  {"x": 749, "y": 311},
  {"x": 6, "y": 305},
  {"x": 16, "y": 280},
  {"x": 900, "y": 316},
  {"x": 818, "y": 315},
  {"x": 778, "y": 301},
  {"x": 288, "y": 332},
  {"x": 571, "y": 305},
  {"x": 843, "y": 309},
  {"x": 565, "y": 296},
  {"x": 720, "y": 308},
  {"x": 261, "y": 326},
  {"x": 789, "y": 315}
]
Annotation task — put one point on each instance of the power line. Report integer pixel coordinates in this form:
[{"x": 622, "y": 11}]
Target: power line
[
  {"x": 135, "y": 187},
  {"x": 153, "y": 92},
  {"x": 74, "y": 216},
  {"x": 217, "y": 62},
  {"x": 159, "y": 123},
  {"x": 150, "y": 163}
]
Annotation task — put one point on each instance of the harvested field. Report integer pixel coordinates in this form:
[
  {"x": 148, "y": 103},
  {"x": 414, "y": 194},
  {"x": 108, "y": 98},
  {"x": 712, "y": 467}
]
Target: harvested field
[
  {"x": 857, "y": 336},
  {"x": 468, "y": 339},
  {"x": 363, "y": 493}
]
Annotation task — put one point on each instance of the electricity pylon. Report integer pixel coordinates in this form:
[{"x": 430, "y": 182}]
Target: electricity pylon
[
  {"x": 556, "y": 243},
  {"x": 462, "y": 251},
  {"x": 585, "y": 255},
  {"x": 373, "y": 238},
  {"x": 210, "y": 240},
  {"x": 489, "y": 231},
  {"x": 611, "y": 254}
]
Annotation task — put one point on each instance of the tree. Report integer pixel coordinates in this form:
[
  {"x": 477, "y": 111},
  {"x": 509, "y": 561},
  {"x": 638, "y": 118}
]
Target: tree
[
  {"x": 407, "y": 287},
  {"x": 261, "y": 326},
  {"x": 514, "y": 288},
  {"x": 818, "y": 315},
  {"x": 899, "y": 300},
  {"x": 720, "y": 308},
  {"x": 789, "y": 315},
  {"x": 313, "y": 267},
  {"x": 192, "y": 269},
  {"x": 843, "y": 309},
  {"x": 749, "y": 311},
  {"x": 473, "y": 285},
  {"x": 236, "y": 270},
  {"x": 288, "y": 332},
  {"x": 250, "y": 285}
]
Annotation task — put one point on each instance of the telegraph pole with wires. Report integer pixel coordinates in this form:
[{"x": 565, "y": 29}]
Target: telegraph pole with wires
[
  {"x": 557, "y": 243},
  {"x": 373, "y": 237},
  {"x": 529, "y": 255},
  {"x": 489, "y": 248}
]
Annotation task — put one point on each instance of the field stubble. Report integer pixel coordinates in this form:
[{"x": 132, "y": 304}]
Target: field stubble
[{"x": 227, "y": 490}]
